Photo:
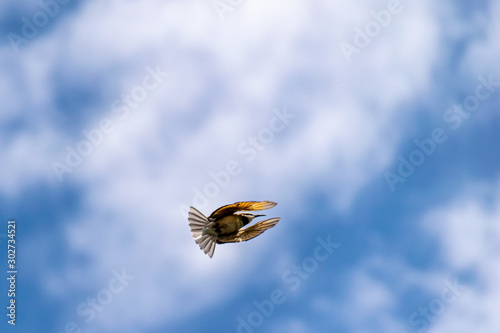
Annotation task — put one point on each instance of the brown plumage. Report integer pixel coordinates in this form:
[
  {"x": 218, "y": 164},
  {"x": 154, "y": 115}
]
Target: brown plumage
[{"x": 225, "y": 224}]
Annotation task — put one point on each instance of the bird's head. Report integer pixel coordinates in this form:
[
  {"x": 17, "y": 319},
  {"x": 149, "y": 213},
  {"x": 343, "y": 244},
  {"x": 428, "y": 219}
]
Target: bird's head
[{"x": 250, "y": 216}]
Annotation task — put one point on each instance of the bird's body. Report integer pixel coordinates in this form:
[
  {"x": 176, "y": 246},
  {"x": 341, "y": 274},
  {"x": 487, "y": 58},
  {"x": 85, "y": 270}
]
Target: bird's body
[{"x": 225, "y": 225}]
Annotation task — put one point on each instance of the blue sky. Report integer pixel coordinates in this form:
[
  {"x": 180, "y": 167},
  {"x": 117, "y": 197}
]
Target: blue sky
[{"x": 373, "y": 125}]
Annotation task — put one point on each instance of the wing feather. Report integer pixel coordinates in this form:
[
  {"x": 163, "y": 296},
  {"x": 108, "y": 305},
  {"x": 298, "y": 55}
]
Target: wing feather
[
  {"x": 240, "y": 206},
  {"x": 250, "y": 232}
]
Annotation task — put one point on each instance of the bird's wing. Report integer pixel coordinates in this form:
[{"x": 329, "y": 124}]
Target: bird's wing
[
  {"x": 250, "y": 232},
  {"x": 239, "y": 206}
]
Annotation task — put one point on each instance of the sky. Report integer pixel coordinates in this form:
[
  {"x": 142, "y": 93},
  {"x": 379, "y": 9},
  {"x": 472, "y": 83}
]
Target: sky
[{"x": 373, "y": 124}]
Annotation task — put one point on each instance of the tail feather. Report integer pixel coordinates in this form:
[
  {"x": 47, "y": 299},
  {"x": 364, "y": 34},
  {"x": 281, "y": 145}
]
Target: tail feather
[
  {"x": 202, "y": 241},
  {"x": 207, "y": 244},
  {"x": 197, "y": 223}
]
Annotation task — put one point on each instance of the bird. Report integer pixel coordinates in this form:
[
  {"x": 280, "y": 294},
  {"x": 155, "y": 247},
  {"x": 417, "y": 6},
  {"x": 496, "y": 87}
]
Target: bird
[{"x": 225, "y": 224}]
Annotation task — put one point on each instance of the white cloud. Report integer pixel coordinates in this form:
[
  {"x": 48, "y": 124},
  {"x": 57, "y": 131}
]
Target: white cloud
[
  {"x": 225, "y": 78},
  {"x": 368, "y": 303},
  {"x": 27, "y": 159},
  {"x": 469, "y": 233},
  {"x": 484, "y": 51}
]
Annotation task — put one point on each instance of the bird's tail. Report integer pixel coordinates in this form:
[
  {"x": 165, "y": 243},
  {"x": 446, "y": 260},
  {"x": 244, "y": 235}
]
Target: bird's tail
[{"x": 198, "y": 223}]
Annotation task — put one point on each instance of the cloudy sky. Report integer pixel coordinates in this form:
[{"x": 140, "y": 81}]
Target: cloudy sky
[{"x": 373, "y": 124}]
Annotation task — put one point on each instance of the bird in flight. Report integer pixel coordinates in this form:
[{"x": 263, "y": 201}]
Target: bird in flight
[{"x": 225, "y": 224}]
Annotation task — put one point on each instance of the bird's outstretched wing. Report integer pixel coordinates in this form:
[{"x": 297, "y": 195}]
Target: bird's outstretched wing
[
  {"x": 250, "y": 232},
  {"x": 239, "y": 206}
]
